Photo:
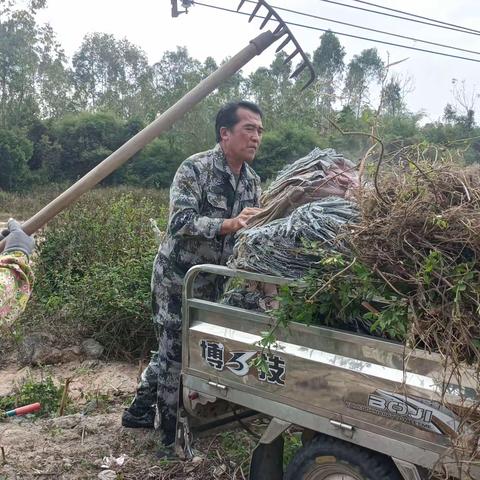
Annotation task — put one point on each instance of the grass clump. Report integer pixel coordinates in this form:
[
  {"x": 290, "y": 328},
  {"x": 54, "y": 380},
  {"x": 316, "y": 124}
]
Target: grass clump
[{"x": 31, "y": 391}]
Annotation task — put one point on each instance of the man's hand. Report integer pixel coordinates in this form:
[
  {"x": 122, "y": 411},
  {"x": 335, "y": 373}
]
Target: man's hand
[
  {"x": 16, "y": 240},
  {"x": 231, "y": 225}
]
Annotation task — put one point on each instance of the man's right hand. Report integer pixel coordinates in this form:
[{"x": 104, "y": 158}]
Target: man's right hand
[{"x": 232, "y": 225}]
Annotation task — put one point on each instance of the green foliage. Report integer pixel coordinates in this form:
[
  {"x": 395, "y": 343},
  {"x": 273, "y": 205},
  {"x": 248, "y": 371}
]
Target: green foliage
[
  {"x": 292, "y": 443},
  {"x": 33, "y": 64},
  {"x": 93, "y": 270},
  {"x": 111, "y": 75},
  {"x": 24, "y": 204},
  {"x": 85, "y": 141},
  {"x": 328, "y": 63},
  {"x": 97, "y": 402},
  {"x": 339, "y": 293},
  {"x": 237, "y": 447},
  {"x": 461, "y": 276},
  {"x": 76, "y": 116},
  {"x": 156, "y": 165},
  {"x": 393, "y": 102},
  {"x": 15, "y": 152},
  {"x": 363, "y": 69},
  {"x": 31, "y": 391}
]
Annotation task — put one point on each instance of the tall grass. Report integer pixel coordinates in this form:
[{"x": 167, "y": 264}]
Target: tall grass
[{"x": 93, "y": 269}]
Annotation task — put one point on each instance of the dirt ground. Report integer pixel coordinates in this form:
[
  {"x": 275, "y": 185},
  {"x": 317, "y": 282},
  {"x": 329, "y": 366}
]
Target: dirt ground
[{"x": 91, "y": 443}]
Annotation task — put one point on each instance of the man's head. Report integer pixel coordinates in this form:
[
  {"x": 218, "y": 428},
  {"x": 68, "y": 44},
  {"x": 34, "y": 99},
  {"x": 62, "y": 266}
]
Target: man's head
[{"x": 239, "y": 130}]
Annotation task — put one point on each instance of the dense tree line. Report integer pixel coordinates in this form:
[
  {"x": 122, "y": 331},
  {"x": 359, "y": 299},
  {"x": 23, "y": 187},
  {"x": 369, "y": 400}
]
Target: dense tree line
[{"x": 59, "y": 117}]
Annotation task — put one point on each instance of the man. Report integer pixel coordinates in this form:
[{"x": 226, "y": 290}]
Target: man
[
  {"x": 212, "y": 196},
  {"x": 16, "y": 277}
]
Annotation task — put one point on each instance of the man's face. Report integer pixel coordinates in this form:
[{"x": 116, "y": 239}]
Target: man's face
[{"x": 242, "y": 141}]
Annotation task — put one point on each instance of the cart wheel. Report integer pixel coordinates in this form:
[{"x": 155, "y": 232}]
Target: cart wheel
[{"x": 327, "y": 458}]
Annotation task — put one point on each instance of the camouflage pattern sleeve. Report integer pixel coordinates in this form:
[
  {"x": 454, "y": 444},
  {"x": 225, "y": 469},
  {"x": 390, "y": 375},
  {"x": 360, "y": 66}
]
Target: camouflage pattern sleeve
[
  {"x": 16, "y": 281},
  {"x": 185, "y": 206},
  {"x": 258, "y": 194}
]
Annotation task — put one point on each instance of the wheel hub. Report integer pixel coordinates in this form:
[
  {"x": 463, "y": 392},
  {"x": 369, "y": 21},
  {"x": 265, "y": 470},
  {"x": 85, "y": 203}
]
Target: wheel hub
[{"x": 332, "y": 472}]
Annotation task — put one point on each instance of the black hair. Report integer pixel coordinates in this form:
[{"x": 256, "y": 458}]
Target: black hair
[{"x": 227, "y": 116}]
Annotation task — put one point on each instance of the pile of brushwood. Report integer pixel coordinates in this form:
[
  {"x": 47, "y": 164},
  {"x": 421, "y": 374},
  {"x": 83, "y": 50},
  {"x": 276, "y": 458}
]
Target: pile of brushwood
[
  {"x": 405, "y": 266},
  {"x": 412, "y": 270}
]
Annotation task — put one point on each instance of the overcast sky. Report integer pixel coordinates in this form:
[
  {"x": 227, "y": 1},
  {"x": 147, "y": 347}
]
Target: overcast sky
[{"x": 207, "y": 32}]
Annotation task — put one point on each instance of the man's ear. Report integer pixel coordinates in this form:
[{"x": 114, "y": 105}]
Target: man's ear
[{"x": 224, "y": 133}]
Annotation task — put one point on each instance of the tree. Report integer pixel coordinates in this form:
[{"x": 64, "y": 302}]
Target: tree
[
  {"x": 111, "y": 75},
  {"x": 33, "y": 79},
  {"x": 54, "y": 81},
  {"x": 362, "y": 70},
  {"x": 282, "y": 146},
  {"x": 392, "y": 100},
  {"x": 156, "y": 164},
  {"x": 280, "y": 97},
  {"x": 174, "y": 75},
  {"x": 462, "y": 113},
  {"x": 329, "y": 65}
]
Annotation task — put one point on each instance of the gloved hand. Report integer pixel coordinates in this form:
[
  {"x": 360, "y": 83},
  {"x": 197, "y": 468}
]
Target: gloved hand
[{"x": 16, "y": 239}]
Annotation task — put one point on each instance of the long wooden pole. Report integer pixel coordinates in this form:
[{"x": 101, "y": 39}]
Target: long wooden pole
[{"x": 149, "y": 133}]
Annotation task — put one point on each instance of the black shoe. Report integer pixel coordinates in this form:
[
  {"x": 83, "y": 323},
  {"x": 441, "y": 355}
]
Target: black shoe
[{"x": 145, "y": 420}]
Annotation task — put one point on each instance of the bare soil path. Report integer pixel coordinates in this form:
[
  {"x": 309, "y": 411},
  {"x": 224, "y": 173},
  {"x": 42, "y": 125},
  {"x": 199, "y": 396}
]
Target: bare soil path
[{"x": 91, "y": 443}]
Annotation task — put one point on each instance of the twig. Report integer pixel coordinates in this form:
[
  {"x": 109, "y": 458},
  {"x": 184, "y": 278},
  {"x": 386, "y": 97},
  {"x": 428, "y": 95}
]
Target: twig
[
  {"x": 389, "y": 283},
  {"x": 63, "y": 402},
  {"x": 338, "y": 274},
  {"x": 380, "y": 158}
]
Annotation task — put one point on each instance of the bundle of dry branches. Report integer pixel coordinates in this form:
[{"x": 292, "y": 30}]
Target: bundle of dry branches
[
  {"x": 419, "y": 238},
  {"x": 421, "y": 235}
]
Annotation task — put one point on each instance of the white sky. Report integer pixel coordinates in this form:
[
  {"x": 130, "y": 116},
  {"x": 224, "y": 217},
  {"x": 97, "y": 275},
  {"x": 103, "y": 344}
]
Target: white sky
[{"x": 207, "y": 32}]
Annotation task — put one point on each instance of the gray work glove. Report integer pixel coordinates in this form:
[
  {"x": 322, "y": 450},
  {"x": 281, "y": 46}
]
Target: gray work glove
[{"x": 16, "y": 239}]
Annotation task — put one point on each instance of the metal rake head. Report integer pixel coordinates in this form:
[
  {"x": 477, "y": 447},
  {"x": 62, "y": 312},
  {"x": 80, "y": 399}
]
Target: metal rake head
[{"x": 281, "y": 30}]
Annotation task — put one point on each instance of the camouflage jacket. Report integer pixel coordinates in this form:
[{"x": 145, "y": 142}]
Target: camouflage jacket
[
  {"x": 204, "y": 192},
  {"x": 16, "y": 281}
]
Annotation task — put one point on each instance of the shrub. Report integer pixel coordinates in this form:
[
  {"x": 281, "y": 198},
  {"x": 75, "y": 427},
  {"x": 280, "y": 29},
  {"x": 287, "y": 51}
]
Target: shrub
[
  {"x": 85, "y": 140},
  {"x": 93, "y": 270},
  {"x": 156, "y": 164},
  {"x": 15, "y": 152}
]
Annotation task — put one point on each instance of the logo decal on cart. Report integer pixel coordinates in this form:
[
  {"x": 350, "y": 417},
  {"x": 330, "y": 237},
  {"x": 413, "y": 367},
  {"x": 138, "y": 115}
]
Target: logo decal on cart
[
  {"x": 238, "y": 362},
  {"x": 400, "y": 407},
  {"x": 213, "y": 353},
  {"x": 416, "y": 411}
]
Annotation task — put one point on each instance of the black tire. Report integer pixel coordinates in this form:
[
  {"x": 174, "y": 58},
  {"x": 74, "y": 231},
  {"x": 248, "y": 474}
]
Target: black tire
[{"x": 327, "y": 458}]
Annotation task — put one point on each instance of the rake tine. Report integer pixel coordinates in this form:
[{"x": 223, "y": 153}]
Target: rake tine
[
  {"x": 281, "y": 30},
  {"x": 266, "y": 19},
  {"x": 283, "y": 44},
  {"x": 240, "y": 5},
  {"x": 255, "y": 10},
  {"x": 290, "y": 56},
  {"x": 298, "y": 70},
  {"x": 310, "y": 81}
]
